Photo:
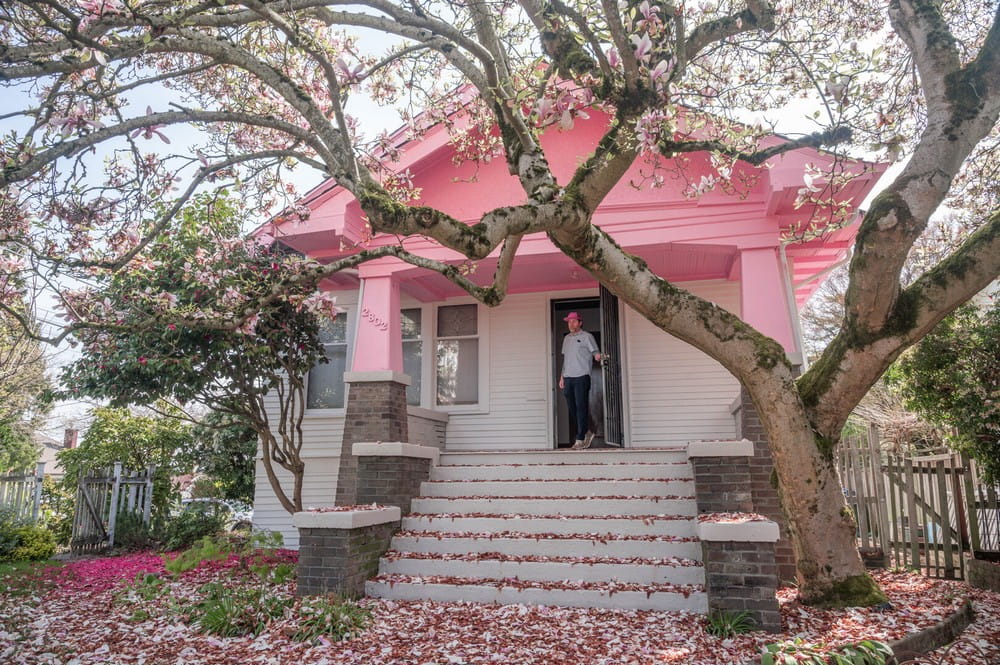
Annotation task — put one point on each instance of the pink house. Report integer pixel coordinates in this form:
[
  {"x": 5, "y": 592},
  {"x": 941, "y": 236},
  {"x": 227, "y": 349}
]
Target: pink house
[{"x": 483, "y": 380}]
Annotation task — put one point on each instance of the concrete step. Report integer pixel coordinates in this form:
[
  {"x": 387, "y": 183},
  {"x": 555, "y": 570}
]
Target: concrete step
[
  {"x": 594, "y": 506},
  {"x": 599, "y": 456},
  {"x": 587, "y": 545},
  {"x": 682, "y": 526},
  {"x": 649, "y": 470},
  {"x": 504, "y": 592},
  {"x": 576, "y": 488},
  {"x": 498, "y": 567}
]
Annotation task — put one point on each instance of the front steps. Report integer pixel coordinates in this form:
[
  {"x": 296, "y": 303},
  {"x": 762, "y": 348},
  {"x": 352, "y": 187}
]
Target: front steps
[{"x": 593, "y": 528}]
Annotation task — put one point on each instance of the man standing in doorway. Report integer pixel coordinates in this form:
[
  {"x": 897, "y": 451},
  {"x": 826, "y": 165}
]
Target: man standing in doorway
[{"x": 579, "y": 352}]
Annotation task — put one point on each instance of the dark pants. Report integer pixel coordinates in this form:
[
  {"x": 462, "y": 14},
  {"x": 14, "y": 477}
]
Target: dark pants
[{"x": 577, "y": 392}]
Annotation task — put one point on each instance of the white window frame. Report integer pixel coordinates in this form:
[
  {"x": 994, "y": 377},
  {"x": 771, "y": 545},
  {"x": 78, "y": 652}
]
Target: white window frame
[{"x": 483, "y": 328}]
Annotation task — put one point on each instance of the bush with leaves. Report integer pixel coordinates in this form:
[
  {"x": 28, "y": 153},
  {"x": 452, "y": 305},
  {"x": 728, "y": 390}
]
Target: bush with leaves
[
  {"x": 952, "y": 378},
  {"x": 330, "y": 617},
  {"x": 797, "y": 652},
  {"x": 191, "y": 526},
  {"x": 23, "y": 541}
]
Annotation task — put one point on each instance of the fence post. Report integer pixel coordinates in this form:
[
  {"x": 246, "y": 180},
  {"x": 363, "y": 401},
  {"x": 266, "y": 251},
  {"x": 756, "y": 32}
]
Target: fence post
[
  {"x": 875, "y": 450},
  {"x": 970, "y": 502},
  {"x": 39, "y": 478},
  {"x": 147, "y": 502},
  {"x": 113, "y": 514}
]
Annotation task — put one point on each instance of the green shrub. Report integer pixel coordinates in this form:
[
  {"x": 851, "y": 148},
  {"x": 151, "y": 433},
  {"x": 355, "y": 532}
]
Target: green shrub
[
  {"x": 233, "y": 611},
  {"x": 206, "y": 549},
  {"x": 34, "y": 543},
  {"x": 331, "y": 617},
  {"x": 132, "y": 533},
  {"x": 722, "y": 623},
  {"x": 795, "y": 652},
  {"x": 22, "y": 541},
  {"x": 191, "y": 526}
]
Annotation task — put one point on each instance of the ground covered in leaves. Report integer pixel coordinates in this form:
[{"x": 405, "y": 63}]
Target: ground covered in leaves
[{"x": 129, "y": 610}]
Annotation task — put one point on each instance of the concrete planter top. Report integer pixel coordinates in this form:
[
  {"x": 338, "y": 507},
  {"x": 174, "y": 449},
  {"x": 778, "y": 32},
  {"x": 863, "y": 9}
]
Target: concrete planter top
[
  {"x": 735, "y": 448},
  {"x": 346, "y": 517},
  {"x": 737, "y": 531},
  {"x": 395, "y": 449}
]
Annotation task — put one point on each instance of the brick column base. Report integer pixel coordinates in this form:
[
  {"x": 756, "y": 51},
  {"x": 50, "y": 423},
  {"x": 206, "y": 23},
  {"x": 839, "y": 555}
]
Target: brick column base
[
  {"x": 740, "y": 570},
  {"x": 338, "y": 551},
  {"x": 765, "y": 495},
  {"x": 376, "y": 411},
  {"x": 390, "y": 474}
]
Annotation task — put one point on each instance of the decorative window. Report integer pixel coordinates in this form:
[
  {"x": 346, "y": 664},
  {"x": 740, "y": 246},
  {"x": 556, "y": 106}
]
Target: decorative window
[
  {"x": 326, "y": 380},
  {"x": 413, "y": 352},
  {"x": 457, "y": 355}
]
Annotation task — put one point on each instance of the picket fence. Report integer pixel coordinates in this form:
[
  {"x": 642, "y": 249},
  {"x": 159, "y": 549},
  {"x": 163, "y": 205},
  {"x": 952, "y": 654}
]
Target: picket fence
[
  {"x": 921, "y": 512},
  {"x": 102, "y": 497},
  {"x": 21, "y": 493}
]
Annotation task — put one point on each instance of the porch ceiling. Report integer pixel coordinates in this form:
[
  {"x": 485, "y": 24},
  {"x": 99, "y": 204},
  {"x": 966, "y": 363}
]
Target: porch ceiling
[{"x": 677, "y": 262}]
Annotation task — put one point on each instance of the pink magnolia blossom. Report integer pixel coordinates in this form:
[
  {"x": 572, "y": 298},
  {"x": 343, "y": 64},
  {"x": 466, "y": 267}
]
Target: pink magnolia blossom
[
  {"x": 76, "y": 120},
  {"x": 643, "y": 47},
  {"x": 151, "y": 130},
  {"x": 614, "y": 58}
]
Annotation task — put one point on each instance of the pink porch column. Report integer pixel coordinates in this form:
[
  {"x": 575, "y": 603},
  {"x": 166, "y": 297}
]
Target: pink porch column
[
  {"x": 376, "y": 396},
  {"x": 379, "y": 342},
  {"x": 762, "y": 292}
]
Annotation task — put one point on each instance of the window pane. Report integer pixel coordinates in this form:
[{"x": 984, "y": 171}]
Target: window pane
[
  {"x": 458, "y": 371},
  {"x": 335, "y": 331},
  {"x": 412, "y": 356},
  {"x": 326, "y": 380},
  {"x": 411, "y": 323},
  {"x": 457, "y": 320}
]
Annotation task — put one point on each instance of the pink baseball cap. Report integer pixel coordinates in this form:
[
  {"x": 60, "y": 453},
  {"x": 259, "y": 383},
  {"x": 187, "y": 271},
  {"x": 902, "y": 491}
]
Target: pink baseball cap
[{"x": 573, "y": 315}]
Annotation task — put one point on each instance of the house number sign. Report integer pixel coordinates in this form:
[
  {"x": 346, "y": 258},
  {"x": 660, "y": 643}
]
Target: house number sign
[{"x": 376, "y": 321}]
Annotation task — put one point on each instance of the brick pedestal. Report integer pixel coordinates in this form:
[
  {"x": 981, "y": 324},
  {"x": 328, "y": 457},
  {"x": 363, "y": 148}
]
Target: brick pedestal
[
  {"x": 338, "y": 551},
  {"x": 764, "y": 493},
  {"x": 376, "y": 411},
  {"x": 721, "y": 475},
  {"x": 740, "y": 570},
  {"x": 390, "y": 474}
]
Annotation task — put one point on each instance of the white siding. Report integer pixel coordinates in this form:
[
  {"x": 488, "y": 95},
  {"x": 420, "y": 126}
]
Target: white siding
[
  {"x": 518, "y": 381},
  {"x": 676, "y": 393},
  {"x": 322, "y": 434}
]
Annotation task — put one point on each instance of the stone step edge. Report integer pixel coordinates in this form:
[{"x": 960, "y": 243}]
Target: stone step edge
[
  {"x": 561, "y": 518},
  {"x": 483, "y": 557},
  {"x": 564, "y": 585},
  {"x": 682, "y": 479},
  {"x": 524, "y": 535},
  {"x": 613, "y": 497},
  {"x": 559, "y": 464}
]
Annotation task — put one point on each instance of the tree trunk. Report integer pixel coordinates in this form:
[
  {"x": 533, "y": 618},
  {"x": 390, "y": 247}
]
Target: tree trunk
[{"x": 821, "y": 525}]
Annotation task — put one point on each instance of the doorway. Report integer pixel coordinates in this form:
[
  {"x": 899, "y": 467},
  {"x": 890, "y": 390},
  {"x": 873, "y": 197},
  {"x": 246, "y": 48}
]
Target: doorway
[{"x": 595, "y": 321}]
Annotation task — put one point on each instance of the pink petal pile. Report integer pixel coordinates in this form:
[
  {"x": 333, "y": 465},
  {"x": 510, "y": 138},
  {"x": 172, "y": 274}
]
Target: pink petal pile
[{"x": 78, "y": 621}]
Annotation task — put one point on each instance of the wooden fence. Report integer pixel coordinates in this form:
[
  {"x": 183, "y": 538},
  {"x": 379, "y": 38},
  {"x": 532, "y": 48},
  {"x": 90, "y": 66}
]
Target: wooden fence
[
  {"x": 918, "y": 512},
  {"x": 21, "y": 493},
  {"x": 104, "y": 496}
]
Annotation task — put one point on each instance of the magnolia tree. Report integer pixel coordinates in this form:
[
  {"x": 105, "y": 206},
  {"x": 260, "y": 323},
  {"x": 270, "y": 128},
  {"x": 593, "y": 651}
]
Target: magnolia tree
[
  {"x": 271, "y": 84},
  {"x": 205, "y": 315}
]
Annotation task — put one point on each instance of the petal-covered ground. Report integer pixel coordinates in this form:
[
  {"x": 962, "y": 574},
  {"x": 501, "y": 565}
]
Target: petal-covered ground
[{"x": 86, "y": 612}]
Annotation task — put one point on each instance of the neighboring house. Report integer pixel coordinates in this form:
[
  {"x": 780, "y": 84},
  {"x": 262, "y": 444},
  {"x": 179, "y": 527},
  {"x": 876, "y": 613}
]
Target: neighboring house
[
  {"x": 484, "y": 379},
  {"x": 49, "y": 446}
]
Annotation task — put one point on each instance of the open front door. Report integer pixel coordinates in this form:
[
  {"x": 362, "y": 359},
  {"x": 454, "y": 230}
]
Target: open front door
[
  {"x": 600, "y": 319},
  {"x": 614, "y": 434}
]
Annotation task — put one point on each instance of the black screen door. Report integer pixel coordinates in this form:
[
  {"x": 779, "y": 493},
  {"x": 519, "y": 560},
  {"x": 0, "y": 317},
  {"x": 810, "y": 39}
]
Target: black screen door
[{"x": 612, "y": 370}]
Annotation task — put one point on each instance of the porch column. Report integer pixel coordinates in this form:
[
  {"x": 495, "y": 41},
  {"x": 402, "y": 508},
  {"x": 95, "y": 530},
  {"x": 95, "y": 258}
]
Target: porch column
[
  {"x": 376, "y": 391},
  {"x": 764, "y": 302}
]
